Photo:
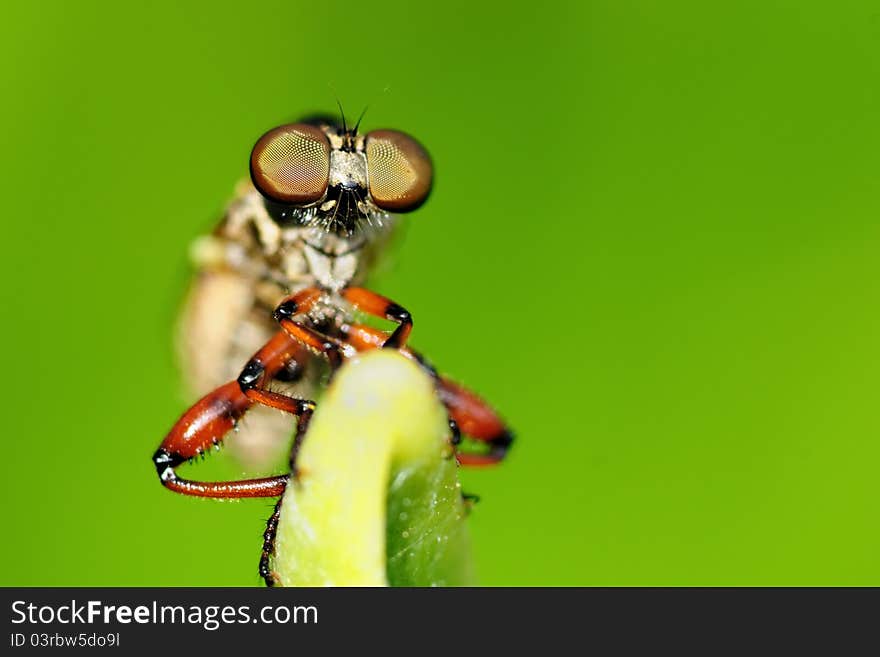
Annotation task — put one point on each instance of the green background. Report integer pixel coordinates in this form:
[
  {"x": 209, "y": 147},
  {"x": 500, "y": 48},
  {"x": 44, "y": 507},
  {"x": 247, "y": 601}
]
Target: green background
[{"x": 652, "y": 244}]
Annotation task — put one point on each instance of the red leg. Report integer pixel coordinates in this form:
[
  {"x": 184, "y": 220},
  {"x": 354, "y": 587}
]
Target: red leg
[
  {"x": 203, "y": 425},
  {"x": 319, "y": 343},
  {"x": 378, "y": 306},
  {"x": 212, "y": 417},
  {"x": 364, "y": 338},
  {"x": 473, "y": 416},
  {"x": 264, "y": 364}
]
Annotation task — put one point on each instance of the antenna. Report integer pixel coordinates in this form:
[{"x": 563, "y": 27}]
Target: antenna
[
  {"x": 357, "y": 125},
  {"x": 342, "y": 112}
]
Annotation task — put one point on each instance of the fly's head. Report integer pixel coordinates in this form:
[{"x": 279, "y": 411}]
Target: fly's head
[{"x": 324, "y": 176}]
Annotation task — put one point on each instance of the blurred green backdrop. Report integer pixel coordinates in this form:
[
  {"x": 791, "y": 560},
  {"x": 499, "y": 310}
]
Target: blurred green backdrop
[{"x": 652, "y": 244}]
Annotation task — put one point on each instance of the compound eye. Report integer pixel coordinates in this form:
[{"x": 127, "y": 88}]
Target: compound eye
[
  {"x": 399, "y": 170},
  {"x": 291, "y": 164}
]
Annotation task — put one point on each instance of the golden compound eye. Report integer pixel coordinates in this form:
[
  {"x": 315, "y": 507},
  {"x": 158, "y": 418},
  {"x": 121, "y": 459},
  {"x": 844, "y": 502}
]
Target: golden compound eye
[
  {"x": 291, "y": 164},
  {"x": 399, "y": 170}
]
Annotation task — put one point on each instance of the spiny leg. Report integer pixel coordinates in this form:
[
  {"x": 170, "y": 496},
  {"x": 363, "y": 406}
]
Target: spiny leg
[
  {"x": 213, "y": 416},
  {"x": 303, "y": 410},
  {"x": 202, "y": 426},
  {"x": 269, "y": 545}
]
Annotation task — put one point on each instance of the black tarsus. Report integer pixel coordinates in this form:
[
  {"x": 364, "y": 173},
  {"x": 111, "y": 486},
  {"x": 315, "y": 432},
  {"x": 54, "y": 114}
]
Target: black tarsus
[{"x": 269, "y": 545}]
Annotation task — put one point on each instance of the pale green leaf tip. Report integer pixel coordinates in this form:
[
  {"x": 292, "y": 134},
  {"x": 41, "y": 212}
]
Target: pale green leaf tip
[{"x": 378, "y": 501}]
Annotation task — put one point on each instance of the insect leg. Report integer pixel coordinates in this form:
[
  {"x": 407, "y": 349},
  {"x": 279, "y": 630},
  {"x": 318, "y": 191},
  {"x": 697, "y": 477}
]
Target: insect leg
[
  {"x": 202, "y": 426},
  {"x": 269, "y": 545},
  {"x": 212, "y": 417},
  {"x": 364, "y": 338},
  {"x": 265, "y": 364},
  {"x": 379, "y": 306},
  {"x": 475, "y": 418}
]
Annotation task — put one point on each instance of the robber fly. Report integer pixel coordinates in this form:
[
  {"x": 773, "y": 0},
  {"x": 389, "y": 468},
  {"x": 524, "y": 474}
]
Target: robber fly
[{"x": 276, "y": 297}]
